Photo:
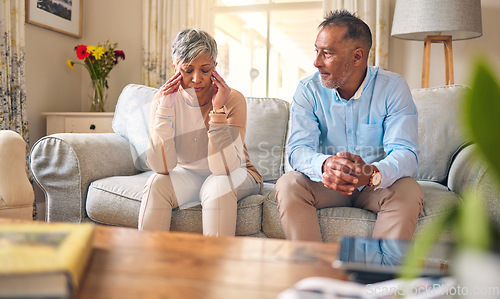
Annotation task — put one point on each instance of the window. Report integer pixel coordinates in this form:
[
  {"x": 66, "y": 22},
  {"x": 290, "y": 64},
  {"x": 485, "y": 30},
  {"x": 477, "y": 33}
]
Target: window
[{"x": 266, "y": 46}]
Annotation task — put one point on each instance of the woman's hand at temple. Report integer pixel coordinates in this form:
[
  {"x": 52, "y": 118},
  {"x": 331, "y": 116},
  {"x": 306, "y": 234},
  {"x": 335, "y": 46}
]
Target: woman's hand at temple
[
  {"x": 221, "y": 91},
  {"x": 171, "y": 86}
]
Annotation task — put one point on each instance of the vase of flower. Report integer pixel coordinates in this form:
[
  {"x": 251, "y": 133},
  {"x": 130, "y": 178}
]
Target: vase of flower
[
  {"x": 99, "y": 61},
  {"x": 98, "y": 95}
]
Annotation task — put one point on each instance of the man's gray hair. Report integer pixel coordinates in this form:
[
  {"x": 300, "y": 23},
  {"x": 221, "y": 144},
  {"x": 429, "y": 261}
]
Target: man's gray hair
[
  {"x": 190, "y": 43},
  {"x": 357, "y": 29}
]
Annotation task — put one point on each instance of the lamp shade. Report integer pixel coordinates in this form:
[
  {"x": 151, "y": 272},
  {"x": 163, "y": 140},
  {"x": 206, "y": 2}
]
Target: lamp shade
[{"x": 416, "y": 19}]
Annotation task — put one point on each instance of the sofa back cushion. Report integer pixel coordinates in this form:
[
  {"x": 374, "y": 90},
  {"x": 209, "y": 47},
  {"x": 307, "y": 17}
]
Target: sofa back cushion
[
  {"x": 440, "y": 133},
  {"x": 131, "y": 120},
  {"x": 267, "y": 124},
  {"x": 265, "y": 137},
  {"x": 439, "y": 129}
]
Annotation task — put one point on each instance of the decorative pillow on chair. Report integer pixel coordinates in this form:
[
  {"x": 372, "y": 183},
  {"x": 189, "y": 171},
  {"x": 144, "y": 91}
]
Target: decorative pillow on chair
[
  {"x": 439, "y": 130},
  {"x": 131, "y": 120}
]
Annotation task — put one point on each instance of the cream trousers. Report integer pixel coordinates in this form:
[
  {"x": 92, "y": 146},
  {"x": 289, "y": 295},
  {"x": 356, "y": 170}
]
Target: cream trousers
[
  {"x": 182, "y": 188},
  {"x": 397, "y": 206}
]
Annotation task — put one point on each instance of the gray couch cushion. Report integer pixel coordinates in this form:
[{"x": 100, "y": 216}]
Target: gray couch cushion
[
  {"x": 132, "y": 118},
  {"x": 438, "y": 199},
  {"x": 346, "y": 221},
  {"x": 439, "y": 132},
  {"x": 117, "y": 200},
  {"x": 267, "y": 124}
]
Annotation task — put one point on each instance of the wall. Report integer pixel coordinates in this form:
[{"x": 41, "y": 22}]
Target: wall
[
  {"x": 52, "y": 87},
  {"x": 405, "y": 57}
]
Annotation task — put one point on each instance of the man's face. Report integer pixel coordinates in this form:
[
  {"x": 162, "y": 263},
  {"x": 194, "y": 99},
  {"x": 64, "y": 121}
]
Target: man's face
[{"x": 333, "y": 56}]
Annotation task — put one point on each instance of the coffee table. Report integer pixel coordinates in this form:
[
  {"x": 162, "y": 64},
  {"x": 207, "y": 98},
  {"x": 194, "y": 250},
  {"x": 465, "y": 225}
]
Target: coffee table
[{"x": 127, "y": 263}]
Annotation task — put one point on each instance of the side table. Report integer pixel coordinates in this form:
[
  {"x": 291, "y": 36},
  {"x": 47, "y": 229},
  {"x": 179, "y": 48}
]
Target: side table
[{"x": 79, "y": 122}]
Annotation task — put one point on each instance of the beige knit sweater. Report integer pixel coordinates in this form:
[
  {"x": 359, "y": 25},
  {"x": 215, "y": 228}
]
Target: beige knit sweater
[{"x": 189, "y": 136}]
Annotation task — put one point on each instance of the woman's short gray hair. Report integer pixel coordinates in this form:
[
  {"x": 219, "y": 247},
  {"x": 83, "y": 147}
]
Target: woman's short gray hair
[{"x": 189, "y": 43}]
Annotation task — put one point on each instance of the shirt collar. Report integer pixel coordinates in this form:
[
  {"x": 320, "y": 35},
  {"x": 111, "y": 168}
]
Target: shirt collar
[{"x": 362, "y": 86}]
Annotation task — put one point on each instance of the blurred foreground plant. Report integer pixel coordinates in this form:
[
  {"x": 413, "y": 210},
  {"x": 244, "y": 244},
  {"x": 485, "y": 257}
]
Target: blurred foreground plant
[{"x": 469, "y": 221}]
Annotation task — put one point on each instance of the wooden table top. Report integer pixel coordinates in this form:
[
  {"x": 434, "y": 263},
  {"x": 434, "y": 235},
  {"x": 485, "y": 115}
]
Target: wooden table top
[{"x": 127, "y": 263}]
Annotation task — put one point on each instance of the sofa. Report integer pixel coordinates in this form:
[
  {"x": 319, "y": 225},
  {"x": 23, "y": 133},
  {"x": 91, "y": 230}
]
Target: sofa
[{"x": 100, "y": 177}]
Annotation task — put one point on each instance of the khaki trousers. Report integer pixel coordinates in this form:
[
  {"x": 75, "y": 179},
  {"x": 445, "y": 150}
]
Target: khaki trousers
[{"x": 397, "y": 206}]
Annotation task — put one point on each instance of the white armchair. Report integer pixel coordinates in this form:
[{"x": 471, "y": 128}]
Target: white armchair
[{"x": 16, "y": 192}]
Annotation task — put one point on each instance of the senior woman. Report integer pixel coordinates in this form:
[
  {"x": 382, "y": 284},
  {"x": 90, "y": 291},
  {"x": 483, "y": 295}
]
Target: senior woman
[{"x": 197, "y": 150}]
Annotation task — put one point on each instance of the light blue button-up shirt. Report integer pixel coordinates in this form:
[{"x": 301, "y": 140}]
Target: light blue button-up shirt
[{"x": 379, "y": 123}]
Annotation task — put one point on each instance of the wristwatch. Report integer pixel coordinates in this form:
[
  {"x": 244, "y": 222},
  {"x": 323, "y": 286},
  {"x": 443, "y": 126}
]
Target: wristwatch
[
  {"x": 218, "y": 111},
  {"x": 375, "y": 178}
]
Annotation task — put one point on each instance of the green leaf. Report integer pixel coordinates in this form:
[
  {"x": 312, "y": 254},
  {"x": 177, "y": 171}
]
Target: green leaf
[
  {"x": 473, "y": 227},
  {"x": 482, "y": 114},
  {"x": 423, "y": 242},
  {"x": 468, "y": 220}
]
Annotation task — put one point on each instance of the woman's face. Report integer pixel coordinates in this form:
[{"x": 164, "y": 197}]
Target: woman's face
[{"x": 197, "y": 74}]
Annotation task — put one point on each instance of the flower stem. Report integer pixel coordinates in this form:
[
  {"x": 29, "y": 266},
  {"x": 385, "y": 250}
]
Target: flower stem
[{"x": 99, "y": 97}]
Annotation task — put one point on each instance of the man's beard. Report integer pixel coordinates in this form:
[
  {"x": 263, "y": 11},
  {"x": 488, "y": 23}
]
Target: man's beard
[{"x": 336, "y": 83}]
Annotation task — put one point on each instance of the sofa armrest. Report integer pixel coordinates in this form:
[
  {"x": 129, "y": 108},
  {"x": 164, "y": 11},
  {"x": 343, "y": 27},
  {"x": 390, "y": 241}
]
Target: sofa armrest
[
  {"x": 65, "y": 164},
  {"x": 468, "y": 170}
]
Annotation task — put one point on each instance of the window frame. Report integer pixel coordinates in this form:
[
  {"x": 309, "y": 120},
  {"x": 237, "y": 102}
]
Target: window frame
[{"x": 268, "y": 9}]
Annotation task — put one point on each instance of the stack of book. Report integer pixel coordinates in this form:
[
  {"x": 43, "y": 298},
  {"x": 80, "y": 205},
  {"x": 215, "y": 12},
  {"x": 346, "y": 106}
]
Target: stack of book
[{"x": 44, "y": 260}]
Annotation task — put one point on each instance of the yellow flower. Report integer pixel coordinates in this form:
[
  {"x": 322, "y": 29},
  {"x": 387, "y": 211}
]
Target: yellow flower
[
  {"x": 70, "y": 63},
  {"x": 97, "y": 52}
]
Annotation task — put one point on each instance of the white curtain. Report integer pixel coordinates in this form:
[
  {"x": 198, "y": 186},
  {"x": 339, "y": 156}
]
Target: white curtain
[
  {"x": 13, "y": 115},
  {"x": 13, "y": 112},
  {"x": 162, "y": 20},
  {"x": 375, "y": 13}
]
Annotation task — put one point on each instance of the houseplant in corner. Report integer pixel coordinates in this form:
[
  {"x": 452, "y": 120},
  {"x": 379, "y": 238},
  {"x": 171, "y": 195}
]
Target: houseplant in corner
[
  {"x": 476, "y": 263},
  {"x": 99, "y": 61}
]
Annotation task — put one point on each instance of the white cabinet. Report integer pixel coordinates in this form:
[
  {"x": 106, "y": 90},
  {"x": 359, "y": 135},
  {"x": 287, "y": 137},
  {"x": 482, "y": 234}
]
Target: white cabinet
[{"x": 79, "y": 122}]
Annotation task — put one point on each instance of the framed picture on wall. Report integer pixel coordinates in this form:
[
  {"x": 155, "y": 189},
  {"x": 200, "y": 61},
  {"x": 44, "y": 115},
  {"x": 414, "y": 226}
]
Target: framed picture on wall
[{"x": 63, "y": 16}]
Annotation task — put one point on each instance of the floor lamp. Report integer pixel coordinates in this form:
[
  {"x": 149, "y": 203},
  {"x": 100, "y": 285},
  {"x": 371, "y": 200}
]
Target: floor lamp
[{"x": 437, "y": 21}]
